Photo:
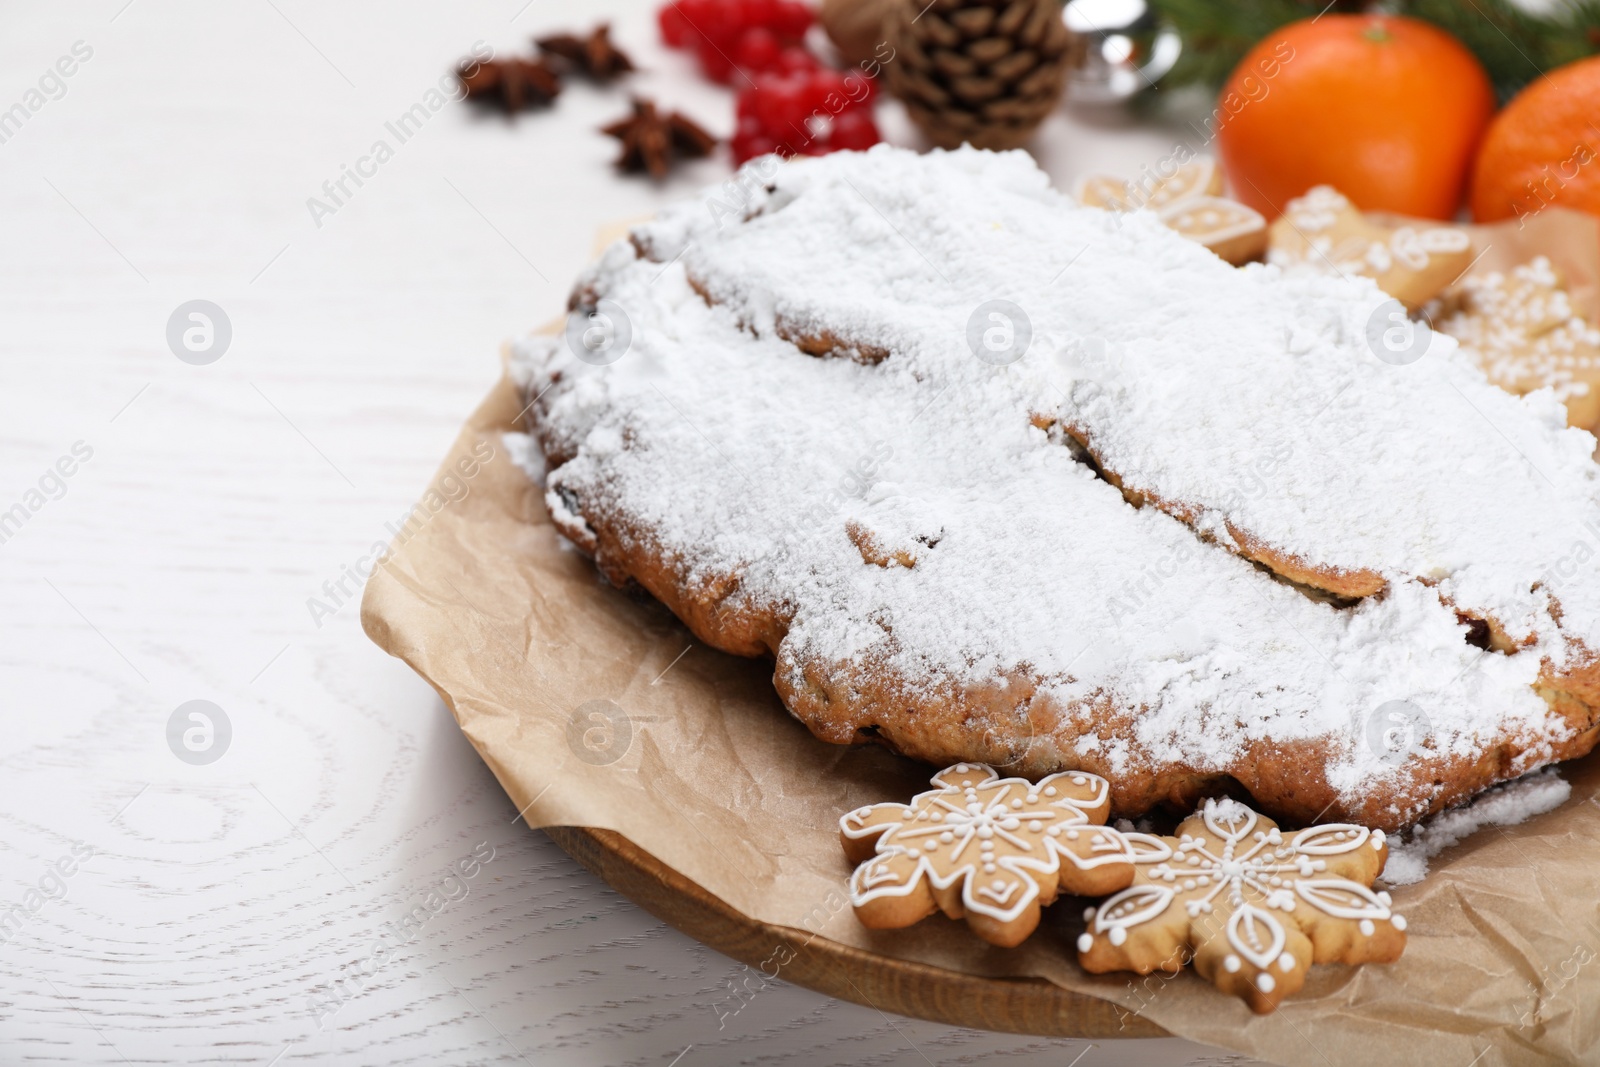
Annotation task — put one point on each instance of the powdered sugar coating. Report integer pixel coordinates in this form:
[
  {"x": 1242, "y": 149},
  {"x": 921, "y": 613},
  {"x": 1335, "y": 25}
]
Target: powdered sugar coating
[
  {"x": 1506, "y": 805},
  {"x": 1211, "y": 375},
  {"x": 723, "y": 447}
]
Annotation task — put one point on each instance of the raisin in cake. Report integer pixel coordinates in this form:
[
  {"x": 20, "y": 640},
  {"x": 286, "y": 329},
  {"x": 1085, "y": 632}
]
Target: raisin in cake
[{"x": 995, "y": 477}]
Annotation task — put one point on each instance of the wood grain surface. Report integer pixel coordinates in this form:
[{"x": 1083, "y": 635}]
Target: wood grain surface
[
  {"x": 881, "y": 982},
  {"x": 346, "y": 884}
]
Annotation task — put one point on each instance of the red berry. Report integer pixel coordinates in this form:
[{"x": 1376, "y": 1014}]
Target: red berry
[
  {"x": 729, "y": 23},
  {"x": 699, "y": 14},
  {"x": 853, "y": 130},
  {"x": 763, "y": 104},
  {"x": 714, "y": 61},
  {"x": 757, "y": 13},
  {"x": 675, "y": 29},
  {"x": 796, "y": 60},
  {"x": 757, "y": 50},
  {"x": 745, "y": 104},
  {"x": 781, "y": 105},
  {"x": 709, "y": 20},
  {"x": 747, "y": 147},
  {"x": 794, "y": 19},
  {"x": 825, "y": 91}
]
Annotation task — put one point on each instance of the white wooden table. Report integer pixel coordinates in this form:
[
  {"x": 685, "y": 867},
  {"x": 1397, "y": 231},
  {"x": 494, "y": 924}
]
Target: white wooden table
[{"x": 229, "y": 911}]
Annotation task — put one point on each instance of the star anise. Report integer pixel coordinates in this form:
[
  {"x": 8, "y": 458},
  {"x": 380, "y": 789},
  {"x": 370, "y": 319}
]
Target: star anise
[
  {"x": 513, "y": 83},
  {"x": 594, "y": 55},
  {"x": 650, "y": 140}
]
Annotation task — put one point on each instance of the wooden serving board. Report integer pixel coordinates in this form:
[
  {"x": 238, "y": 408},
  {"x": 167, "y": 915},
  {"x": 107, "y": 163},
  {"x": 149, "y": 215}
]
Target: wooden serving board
[{"x": 1017, "y": 1005}]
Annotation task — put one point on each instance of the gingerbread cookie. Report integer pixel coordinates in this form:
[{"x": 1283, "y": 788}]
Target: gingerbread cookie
[
  {"x": 1190, "y": 201},
  {"x": 1236, "y": 233},
  {"x": 1325, "y": 232},
  {"x": 1200, "y": 177},
  {"x": 1251, "y": 906},
  {"x": 1521, "y": 330},
  {"x": 984, "y": 848}
]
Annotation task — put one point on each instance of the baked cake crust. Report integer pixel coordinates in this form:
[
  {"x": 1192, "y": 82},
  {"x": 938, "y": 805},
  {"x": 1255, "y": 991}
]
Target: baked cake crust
[{"x": 1195, "y": 528}]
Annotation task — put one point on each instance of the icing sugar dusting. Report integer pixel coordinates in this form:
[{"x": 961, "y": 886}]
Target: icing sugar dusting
[
  {"x": 1504, "y": 805},
  {"x": 717, "y": 443},
  {"x": 1253, "y": 399}
]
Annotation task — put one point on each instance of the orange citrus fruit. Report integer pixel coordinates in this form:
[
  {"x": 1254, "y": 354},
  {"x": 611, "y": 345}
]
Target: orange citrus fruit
[
  {"x": 1544, "y": 148},
  {"x": 1387, "y": 110}
]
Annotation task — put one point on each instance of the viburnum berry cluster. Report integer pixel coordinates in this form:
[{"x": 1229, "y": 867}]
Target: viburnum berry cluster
[
  {"x": 788, "y": 102},
  {"x": 748, "y": 35},
  {"x": 811, "y": 113}
]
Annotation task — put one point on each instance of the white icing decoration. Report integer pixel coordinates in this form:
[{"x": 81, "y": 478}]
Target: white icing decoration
[
  {"x": 1134, "y": 905},
  {"x": 1085, "y": 942},
  {"x": 1148, "y": 848},
  {"x": 1334, "y": 839},
  {"x": 1231, "y": 963},
  {"x": 1265, "y": 982},
  {"x": 1398, "y": 922},
  {"x": 1286, "y": 962},
  {"x": 1342, "y": 898},
  {"x": 1256, "y": 935}
]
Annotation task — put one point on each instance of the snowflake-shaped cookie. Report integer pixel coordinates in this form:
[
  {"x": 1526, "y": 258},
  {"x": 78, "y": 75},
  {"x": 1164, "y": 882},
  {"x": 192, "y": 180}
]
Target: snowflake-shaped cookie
[
  {"x": 984, "y": 848},
  {"x": 1324, "y": 232},
  {"x": 1253, "y": 908}
]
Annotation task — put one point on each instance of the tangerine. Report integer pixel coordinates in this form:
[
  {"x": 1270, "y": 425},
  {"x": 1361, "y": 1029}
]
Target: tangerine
[
  {"x": 1387, "y": 110},
  {"x": 1541, "y": 148}
]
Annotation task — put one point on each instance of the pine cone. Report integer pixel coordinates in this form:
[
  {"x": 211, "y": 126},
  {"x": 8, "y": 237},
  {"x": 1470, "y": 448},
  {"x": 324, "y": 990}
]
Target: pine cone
[
  {"x": 854, "y": 26},
  {"x": 982, "y": 71}
]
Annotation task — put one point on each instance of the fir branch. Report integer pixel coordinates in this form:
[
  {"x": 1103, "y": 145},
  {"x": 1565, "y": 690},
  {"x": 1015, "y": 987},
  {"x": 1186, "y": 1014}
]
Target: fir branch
[
  {"x": 1216, "y": 35},
  {"x": 1514, "y": 45}
]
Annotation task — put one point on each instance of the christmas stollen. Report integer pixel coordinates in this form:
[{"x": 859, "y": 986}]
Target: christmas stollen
[{"x": 998, "y": 478}]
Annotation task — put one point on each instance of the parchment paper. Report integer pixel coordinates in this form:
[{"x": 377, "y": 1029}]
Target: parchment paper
[{"x": 597, "y": 708}]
